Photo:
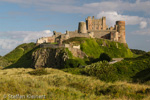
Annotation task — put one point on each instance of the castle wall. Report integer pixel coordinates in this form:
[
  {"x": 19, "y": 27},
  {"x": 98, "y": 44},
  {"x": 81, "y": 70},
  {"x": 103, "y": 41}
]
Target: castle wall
[
  {"x": 46, "y": 40},
  {"x": 96, "y": 24},
  {"x": 102, "y": 33},
  {"x": 114, "y": 36},
  {"x": 74, "y": 34}
]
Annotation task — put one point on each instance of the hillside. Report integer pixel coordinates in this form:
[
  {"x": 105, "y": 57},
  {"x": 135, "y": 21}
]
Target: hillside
[
  {"x": 135, "y": 68},
  {"x": 94, "y": 47},
  {"x": 19, "y": 57},
  {"x": 58, "y": 85}
]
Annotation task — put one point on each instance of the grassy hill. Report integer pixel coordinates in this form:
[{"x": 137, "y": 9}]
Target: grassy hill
[
  {"x": 94, "y": 47},
  {"x": 19, "y": 57},
  {"x": 58, "y": 85},
  {"x": 18, "y": 52}
]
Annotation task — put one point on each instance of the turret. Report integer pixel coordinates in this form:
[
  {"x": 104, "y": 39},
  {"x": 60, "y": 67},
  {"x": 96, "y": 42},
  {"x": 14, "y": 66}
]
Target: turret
[
  {"x": 82, "y": 27},
  {"x": 121, "y": 31},
  {"x": 104, "y": 23}
]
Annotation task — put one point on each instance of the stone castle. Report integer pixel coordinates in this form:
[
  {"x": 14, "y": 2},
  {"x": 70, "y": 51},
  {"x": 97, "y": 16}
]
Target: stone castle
[{"x": 91, "y": 28}]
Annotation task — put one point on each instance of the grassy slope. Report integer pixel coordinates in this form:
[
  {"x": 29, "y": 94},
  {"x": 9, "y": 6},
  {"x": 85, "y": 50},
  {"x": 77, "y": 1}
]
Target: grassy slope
[
  {"x": 19, "y": 51},
  {"x": 58, "y": 85},
  {"x": 93, "y": 47},
  {"x": 20, "y": 56}
]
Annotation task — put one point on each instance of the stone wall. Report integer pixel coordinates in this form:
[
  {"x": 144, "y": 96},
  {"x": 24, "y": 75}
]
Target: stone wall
[
  {"x": 46, "y": 40},
  {"x": 74, "y": 34}
]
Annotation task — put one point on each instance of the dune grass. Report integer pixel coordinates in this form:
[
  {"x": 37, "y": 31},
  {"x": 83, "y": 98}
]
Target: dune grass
[{"x": 59, "y": 85}]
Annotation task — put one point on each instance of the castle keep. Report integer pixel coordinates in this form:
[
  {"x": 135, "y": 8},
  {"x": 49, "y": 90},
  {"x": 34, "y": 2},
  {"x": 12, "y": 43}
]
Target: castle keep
[{"x": 91, "y": 28}]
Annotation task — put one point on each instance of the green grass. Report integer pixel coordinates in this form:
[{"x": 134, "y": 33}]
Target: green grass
[
  {"x": 94, "y": 47},
  {"x": 128, "y": 68},
  {"x": 18, "y": 52},
  {"x": 21, "y": 56}
]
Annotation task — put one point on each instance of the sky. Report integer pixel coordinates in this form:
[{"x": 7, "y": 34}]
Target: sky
[{"x": 24, "y": 21}]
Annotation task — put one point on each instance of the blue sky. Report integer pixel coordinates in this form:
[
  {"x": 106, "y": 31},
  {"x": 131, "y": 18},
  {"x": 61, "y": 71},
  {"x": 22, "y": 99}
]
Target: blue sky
[{"x": 24, "y": 21}]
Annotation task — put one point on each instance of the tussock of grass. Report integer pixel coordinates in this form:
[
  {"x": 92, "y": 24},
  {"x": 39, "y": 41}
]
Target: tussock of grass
[{"x": 59, "y": 85}]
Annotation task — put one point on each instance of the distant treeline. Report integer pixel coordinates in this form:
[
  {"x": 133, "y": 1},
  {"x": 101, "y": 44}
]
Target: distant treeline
[{"x": 139, "y": 52}]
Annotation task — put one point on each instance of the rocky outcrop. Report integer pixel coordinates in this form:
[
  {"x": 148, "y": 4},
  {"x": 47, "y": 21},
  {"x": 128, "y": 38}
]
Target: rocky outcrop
[
  {"x": 49, "y": 57},
  {"x": 77, "y": 53}
]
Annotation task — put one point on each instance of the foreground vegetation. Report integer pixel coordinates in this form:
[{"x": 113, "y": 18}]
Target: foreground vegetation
[
  {"x": 130, "y": 69},
  {"x": 58, "y": 85}
]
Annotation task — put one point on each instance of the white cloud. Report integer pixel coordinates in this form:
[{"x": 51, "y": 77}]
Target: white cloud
[
  {"x": 113, "y": 16},
  {"x": 8, "y": 43},
  {"x": 143, "y": 24},
  {"x": 9, "y": 40},
  {"x": 142, "y": 32}
]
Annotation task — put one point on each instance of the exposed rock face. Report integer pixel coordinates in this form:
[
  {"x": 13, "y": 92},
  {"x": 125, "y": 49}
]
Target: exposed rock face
[
  {"x": 49, "y": 57},
  {"x": 77, "y": 53}
]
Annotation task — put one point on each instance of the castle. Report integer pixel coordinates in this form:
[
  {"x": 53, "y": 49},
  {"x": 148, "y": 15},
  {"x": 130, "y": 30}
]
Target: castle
[{"x": 91, "y": 28}]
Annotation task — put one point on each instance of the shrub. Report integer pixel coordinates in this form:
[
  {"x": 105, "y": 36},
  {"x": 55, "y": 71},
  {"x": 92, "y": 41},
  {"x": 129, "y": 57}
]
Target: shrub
[
  {"x": 102, "y": 70},
  {"x": 73, "y": 63},
  {"x": 105, "y": 57},
  {"x": 138, "y": 52},
  {"x": 39, "y": 72}
]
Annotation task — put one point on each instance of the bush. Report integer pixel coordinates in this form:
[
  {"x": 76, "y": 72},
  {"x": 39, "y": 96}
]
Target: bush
[
  {"x": 39, "y": 72},
  {"x": 73, "y": 63},
  {"x": 105, "y": 57},
  {"x": 102, "y": 70},
  {"x": 138, "y": 52}
]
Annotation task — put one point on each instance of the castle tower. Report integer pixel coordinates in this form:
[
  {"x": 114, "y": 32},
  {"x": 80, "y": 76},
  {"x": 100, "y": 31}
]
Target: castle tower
[
  {"x": 82, "y": 27},
  {"x": 89, "y": 23},
  {"x": 121, "y": 31},
  {"x": 104, "y": 23}
]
